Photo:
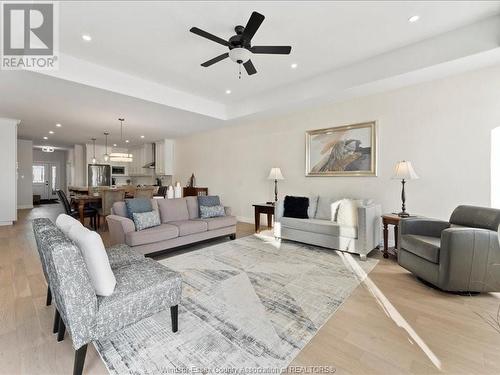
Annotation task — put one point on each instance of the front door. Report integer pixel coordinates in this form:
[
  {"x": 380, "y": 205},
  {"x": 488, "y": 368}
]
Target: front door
[{"x": 46, "y": 179}]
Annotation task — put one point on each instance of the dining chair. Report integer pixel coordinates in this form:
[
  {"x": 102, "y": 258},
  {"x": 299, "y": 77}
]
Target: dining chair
[
  {"x": 144, "y": 192},
  {"x": 108, "y": 197},
  {"x": 89, "y": 212}
]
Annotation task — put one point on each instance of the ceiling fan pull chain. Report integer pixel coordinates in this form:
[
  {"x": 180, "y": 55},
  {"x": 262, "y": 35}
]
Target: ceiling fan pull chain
[{"x": 239, "y": 73}]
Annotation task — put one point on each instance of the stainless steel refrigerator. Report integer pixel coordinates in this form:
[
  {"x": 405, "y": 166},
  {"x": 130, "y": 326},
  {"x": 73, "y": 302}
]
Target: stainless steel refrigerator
[{"x": 99, "y": 175}]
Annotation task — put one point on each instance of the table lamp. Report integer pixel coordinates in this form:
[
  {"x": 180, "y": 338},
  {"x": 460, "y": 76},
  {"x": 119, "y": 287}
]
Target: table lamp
[
  {"x": 275, "y": 174},
  {"x": 404, "y": 171}
]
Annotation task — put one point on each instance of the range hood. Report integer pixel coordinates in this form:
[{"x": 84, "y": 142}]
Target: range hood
[{"x": 152, "y": 164}]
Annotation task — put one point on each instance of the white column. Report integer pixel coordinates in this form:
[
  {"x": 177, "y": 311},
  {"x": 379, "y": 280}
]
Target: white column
[{"x": 8, "y": 171}]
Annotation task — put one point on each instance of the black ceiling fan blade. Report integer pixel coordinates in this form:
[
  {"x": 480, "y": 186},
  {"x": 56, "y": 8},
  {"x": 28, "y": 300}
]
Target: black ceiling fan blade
[
  {"x": 250, "y": 68},
  {"x": 253, "y": 25},
  {"x": 209, "y": 36},
  {"x": 206, "y": 64},
  {"x": 275, "y": 50}
]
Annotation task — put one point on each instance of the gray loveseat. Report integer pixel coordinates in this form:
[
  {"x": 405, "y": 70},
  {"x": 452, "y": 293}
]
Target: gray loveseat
[
  {"x": 143, "y": 288},
  {"x": 181, "y": 225},
  {"x": 320, "y": 230},
  {"x": 462, "y": 255}
]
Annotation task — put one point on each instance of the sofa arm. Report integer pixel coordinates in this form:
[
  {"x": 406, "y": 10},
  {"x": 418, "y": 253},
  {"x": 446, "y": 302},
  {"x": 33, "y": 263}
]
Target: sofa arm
[
  {"x": 228, "y": 211},
  {"x": 422, "y": 226},
  {"x": 119, "y": 226},
  {"x": 469, "y": 260},
  {"x": 369, "y": 227},
  {"x": 279, "y": 209}
]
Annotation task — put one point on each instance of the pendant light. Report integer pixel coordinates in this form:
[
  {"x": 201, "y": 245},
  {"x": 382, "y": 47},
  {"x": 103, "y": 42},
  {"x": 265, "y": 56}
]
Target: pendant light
[
  {"x": 106, "y": 156},
  {"x": 94, "y": 160},
  {"x": 121, "y": 156}
]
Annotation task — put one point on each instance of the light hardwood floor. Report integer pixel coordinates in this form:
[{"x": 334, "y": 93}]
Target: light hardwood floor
[{"x": 391, "y": 324}]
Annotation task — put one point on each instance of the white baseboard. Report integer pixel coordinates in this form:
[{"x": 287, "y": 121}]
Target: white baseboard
[
  {"x": 5, "y": 223},
  {"x": 245, "y": 219},
  {"x": 24, "y": 206}
]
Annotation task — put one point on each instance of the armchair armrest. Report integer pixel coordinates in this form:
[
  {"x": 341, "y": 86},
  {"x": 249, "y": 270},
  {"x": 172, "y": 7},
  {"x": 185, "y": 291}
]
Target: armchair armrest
[
  {"x": 119, "y": 226},
  {"x": 369, "y": 227},
  {"x": 228, "y": 211},
  {"x": 423, "y": 227},
  {"x": 468, "y": 259}
]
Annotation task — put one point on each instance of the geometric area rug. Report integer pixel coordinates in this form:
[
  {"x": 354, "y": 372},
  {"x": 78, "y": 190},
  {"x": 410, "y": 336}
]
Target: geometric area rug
[{"x": 248, "y": 305}]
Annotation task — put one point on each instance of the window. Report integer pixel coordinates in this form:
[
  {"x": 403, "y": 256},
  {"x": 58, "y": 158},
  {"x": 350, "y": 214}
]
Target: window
[{"x": 38, "y": 174}]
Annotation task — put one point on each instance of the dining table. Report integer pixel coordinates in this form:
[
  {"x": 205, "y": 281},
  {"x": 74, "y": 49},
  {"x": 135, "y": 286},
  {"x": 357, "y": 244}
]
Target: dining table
[{"x": 80, "y": 201}]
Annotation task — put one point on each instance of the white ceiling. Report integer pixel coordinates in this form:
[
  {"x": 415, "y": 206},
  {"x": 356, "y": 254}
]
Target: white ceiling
[
  {"x": 152, "y": 39},
  {"x": 144, "y": 64},
  {"x": 86, "y": 112}
]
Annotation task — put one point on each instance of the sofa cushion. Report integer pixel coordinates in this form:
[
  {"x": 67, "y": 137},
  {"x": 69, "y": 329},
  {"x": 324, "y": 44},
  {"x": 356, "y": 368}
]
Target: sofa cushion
[
  {"x": 156, "y": 234},
  {"x": 96, "y": 259},
  {"x": 327, "y": 208},
  {"x": 65, "y": 222},
  {"x": 187, "y": 227},
  {"x": 313, "y": 206},
  {"x": 220, "y": 222},
  {"x": 173, "y": 209},
  {"x": 320, "y": 226},
  {"x": 142, "y": 289},
  {"x": 192, "y": 205},
  {"x": 145, "y": 220},
  {"x": 207, "y": 212},
  {"x": 138, "y": 205},
  {"x": 423, "y": 246}
]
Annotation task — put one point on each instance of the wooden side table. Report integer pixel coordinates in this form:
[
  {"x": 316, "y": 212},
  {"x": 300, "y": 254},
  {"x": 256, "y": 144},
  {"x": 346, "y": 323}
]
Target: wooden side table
[
  {"x": 263, "y": 208},
  {"x": 390, "y": 219}
]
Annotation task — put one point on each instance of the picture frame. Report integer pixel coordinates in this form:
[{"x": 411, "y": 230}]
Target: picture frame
[{"x": 349, "y": 150}]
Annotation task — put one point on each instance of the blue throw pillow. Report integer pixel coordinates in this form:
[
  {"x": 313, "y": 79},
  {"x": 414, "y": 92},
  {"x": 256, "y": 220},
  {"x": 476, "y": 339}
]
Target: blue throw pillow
[
  {"x": 208, "y": 200},
  {"x": 145, "y": 220},
  {"x": 211, "y": 211},
  {"x": 138, "y": 205}
]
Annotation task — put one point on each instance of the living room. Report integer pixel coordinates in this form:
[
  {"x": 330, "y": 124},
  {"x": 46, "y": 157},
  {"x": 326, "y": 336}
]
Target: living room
[{"x": 368, "y": 138}]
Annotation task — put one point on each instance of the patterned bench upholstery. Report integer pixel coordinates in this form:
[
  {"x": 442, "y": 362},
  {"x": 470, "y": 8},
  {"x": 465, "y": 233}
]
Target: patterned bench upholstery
[{"x": 143, "y": 288}]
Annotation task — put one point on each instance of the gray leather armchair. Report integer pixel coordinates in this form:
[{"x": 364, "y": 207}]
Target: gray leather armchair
[{"x": 462, "y": 255}]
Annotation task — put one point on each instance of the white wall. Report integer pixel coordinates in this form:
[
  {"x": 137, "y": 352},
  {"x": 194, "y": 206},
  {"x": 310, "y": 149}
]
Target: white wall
[
  {"x": 8, "y": 156},
  {"x": 24, "y": 174},
  {"x": 443, "y": 127}
]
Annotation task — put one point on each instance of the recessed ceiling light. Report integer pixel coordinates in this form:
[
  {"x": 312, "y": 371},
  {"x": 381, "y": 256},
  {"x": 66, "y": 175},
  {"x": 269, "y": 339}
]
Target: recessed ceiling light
[
  {"x": 58, "y": 125},
  {"x": 114, "y": 144},
  {"x": 413, "y": 18},
  {"x": 86, "y": 37},
  {"x": 51, "y": 132},
  {"x": 142, "y": 136},
  {"x": 45, "y": 138},
  {"x": 228, "y": 92},
  {"x": 294, "y": 66},
  {"x": 127, "y": 141}
]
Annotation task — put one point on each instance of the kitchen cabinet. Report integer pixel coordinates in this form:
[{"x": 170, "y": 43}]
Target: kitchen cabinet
[
  {"x": 141, "y": 156},
  {"x": 164, "y": 154}
]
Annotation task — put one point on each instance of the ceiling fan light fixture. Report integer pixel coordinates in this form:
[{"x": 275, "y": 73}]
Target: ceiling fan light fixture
[{"x": 239, "y": 55}]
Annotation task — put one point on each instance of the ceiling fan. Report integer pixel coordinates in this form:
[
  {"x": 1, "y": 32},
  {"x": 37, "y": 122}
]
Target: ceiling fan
[{"x": 240, "y": 47}]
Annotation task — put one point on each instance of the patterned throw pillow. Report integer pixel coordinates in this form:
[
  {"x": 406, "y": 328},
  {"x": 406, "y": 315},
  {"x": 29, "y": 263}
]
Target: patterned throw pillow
[
  {"x": 145, "y": 220},
  {"x": 211, "y": 211}
]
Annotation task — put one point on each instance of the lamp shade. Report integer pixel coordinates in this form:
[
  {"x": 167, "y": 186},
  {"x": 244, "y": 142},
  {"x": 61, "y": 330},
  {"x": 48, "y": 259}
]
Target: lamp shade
[
  {"x": 275, "y": 174},
  {"x": 404, "y": 171}
]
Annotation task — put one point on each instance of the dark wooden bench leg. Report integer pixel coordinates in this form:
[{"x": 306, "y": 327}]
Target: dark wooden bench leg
[
  {"x": 79, "y": 360},
  {"x": 61, "y": 331},
  {"x": 48, "y": 302},
  {"x": 57, "y": 317},
  {"x": 174, "y": 314}
]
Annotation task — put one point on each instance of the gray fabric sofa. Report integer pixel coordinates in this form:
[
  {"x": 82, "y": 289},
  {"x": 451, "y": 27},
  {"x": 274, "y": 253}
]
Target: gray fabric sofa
[
  {"x": 459, "y": 255},
  {"x": 180, "y": 225},
  {"x": 320, "y": 230},
  {"x": 143, "y": 288}
]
